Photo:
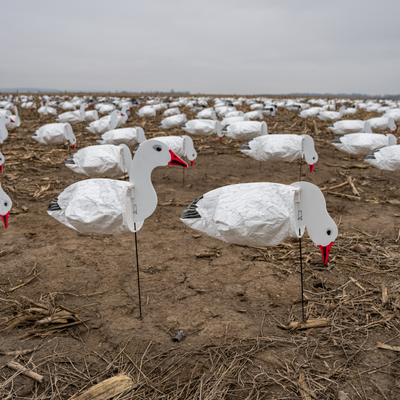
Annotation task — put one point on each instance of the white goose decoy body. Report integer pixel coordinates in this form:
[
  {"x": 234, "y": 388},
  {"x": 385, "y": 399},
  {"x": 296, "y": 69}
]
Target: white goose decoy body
[
  {"x": 245, "y": 130},
  {"x": 386, "y": 158},
  {"x": 107, "y": 123},
  {"x": 107, "y": 206},
  {"x": 263, "y": 214},
  {"x": 350, "y": 126},
  {"x": 173, "y": 122},
  {"x": 282, "y": 148},
  {"x": 129, "y": 136},
  {"x": 363, "y": 143},
  {"x": 1, "y": 163},
  {"x": 57, "y": 133},
  {"x": 203, "y": 127},
  {"x": 73, "y": 116},
  {"x": 101, "y": 161},
  {"x": 331, "y": 116},
  {"x": 5, "y": 207}
]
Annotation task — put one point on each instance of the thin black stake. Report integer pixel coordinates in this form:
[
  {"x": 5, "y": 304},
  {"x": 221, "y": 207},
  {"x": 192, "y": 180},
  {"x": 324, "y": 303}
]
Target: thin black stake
[
  {"x": 301, "y": 277},
  {"x": 137, "y": 269}
]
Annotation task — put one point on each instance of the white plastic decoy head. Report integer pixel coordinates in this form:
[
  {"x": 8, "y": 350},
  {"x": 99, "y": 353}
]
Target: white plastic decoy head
[
  {"x": 218, "y": 130},
  {"x": 264, "y": 128},
  {"x": 5, "y": 207},
  {"x": 392, "y": 141},
  {"x": 308, "y": 151},
  {"x": 392, "y": 125},
  {"x": 4, "y": 119},
  {"x": 70, "y": 134},
  {"x": 311, "y": 213},
  {"x": 140, "y": 135},
  {"x": 189, "y": 150},
  {"x": 126, "y": 157},
  {"x": 1, "y": 163},
  {"x": 367, "y": 127}
]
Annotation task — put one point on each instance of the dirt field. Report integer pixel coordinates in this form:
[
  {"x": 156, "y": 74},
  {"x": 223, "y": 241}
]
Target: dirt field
[{"x": 231, "y": 301}]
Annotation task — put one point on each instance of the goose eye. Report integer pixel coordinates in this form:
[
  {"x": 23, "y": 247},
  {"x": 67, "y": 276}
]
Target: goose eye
[
  {"x": 313, "y": 158},
  {"x": 5, "y": 204},
  {"x": 328, "y": 232},
  {"x": 157, "y": 147}
]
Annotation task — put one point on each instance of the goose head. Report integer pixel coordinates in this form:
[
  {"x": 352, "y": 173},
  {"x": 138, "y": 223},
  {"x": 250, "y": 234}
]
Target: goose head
[
  {"x": 392, "y": 126},
  {"x": 311, "y": 213},
  {"x": 188, "y": 149},
  {"x": 5, "y": 207},
  {"x": 308, "y": 150},
  {"x": 113, "y": 119},
  {"x": 264, "y": 128},
  {"x": 392, "y": 141},
  {"x": 126, "y": 157},
  {"x": 140, "y": 135},
  {"x": 219, "y": 131},
  {"x": 1, "y": 163},
  {"x": 367, "y": 127},
  {"x": 4, "y": 119},
  {"x": 341, "y": 110},
  {"x": 154, "y": 153},
  {"x": 70, "y": 135}
]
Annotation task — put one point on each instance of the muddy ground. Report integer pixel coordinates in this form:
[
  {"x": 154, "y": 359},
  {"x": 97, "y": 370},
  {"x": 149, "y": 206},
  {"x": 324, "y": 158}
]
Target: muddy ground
[{"x": 231, "y": 301}]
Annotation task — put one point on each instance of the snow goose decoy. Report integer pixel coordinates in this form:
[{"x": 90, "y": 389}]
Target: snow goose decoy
[
  {"x": 104, "y": 124},
  {"x": 4, "y": 120},
  {"x": 254, "y": 115},
  {"x": 73, "y": 116},
  {"x": 350, "y": 126},
  {"x": 5, "y": 207},
  {"x": 101, "y": 161},
  {"x": 107, "y": 206},
  {"x": 15, "y": 120},
  {"x": 171, "y": 111},
  {"x": 363, "y": 143},
  {"x": 282, "y": 148},
  {"x": 147, "y": 111},
  {"x": 263, "y": 214},
  {"x": 382, "y": 123},
  {"x": 172, "y": 122},
  {"x": 231, "y": 120},
  {"x": 203, "y": 127},
  {"x": 129, "y": 136},
  {"x": 57, "y": 133},
  {"x": 387, "y": 158},
  {"x": 207, "y": 113},
  {"x": 245, "y": 130},
  {"x": 330, "y": 116},
  {"x": 46, "y": 109}
]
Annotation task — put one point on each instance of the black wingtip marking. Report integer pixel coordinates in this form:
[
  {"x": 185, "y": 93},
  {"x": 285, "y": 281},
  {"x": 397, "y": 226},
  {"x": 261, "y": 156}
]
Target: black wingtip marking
[
  {"x": 70, "y": 160},
  {"x": 371, "y": 156},
  {"x": 191, "y": 210},
  {"x": 337, "y": 140},
  {"x": 54, "y": 206},
  {"x": 246, "y": 146}
]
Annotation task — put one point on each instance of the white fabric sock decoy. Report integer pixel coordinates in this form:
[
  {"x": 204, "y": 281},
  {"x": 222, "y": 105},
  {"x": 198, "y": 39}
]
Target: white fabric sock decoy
[
  {"x": 207, "y": 113},
  {"x": 57, "y": 133},
  {"x": 387, "y": 158},
  {"x": 263, "y": 214},
  {"x": 172, "y": 122},
  {"x": 107, "y": 206},
  {"x": 330, "y": 116},
  {"x": 245, "y": 130},
  {"x": 171, "y": 111},
  {"x": 231, "y": 120},
  {"x": 107, "y": 123},
  {"x": 101, "y": 161},
  {"x": 129, "y": 136},
  {"x": 4, "y": 120},
  {"x": 350, "y": 126},
  {"x": 254, "y": 115},
  {"x": 5, "y": 207},
  {"x": 282, "y": 148},
  {"x": 363, "y": 143},
  {"x": 91, "y": 116},
  {"x": 73, "y": 116},
  {"x": 147, "y": 111},
  {"x": 382, "y": 123},
  {"x": 203, "y": 127}
]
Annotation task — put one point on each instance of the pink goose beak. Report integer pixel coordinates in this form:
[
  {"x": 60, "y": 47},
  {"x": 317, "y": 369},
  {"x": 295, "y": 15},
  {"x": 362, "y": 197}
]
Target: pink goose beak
[
  {"x": 311, "y": 167},
  {"x": 74, "y": 146},
  {"x": 192, "y": 163},
  {"x": 1, "y": 168},
  {"x": 175, "y": 160},
  {"x": 325, "y": 252},
  {"x": 11, "y": 120},
  {"x": 220, "y": 139},
  {"x": 5, "y": 219}
]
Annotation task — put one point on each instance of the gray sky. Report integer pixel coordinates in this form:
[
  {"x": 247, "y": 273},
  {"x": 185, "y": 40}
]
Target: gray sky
[{"x": 207, "y": 46}]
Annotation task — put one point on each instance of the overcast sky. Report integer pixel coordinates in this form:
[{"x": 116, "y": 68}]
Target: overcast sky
[{"x": 206, "y": 46}]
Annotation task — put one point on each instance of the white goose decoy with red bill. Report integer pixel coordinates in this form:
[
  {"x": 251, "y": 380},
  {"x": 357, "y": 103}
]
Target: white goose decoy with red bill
[
  {"x": 107, "y": 206},
  {"x": 282, "y": 148},
  {"x": 54, "y": 134},
  {"x": 4, "y": 120},
  {"x": 5, "y": 207},
  {"x": 263, "y": 214}
]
